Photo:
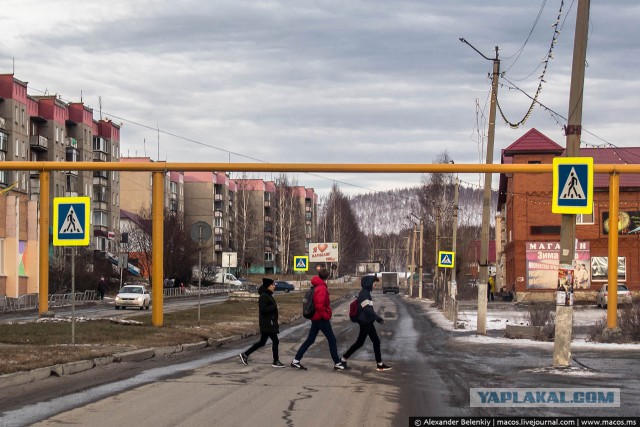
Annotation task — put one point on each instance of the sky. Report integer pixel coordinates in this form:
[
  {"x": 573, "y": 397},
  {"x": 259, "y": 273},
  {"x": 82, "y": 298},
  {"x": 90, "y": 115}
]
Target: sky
[{"x": 326, "y": 81}]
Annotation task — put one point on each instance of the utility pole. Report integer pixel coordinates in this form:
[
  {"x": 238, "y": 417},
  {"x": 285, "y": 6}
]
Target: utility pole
[
  {"x": 413, "y": 260},
  {"x": 420, "y": 279},
  {"x": 564, "y": 314},
  {"x": 455, "y": 231},
  {"x": 436, "y": 278},
  {"x": 486, "y": 201},
  {"x": 408, "y": 250}
]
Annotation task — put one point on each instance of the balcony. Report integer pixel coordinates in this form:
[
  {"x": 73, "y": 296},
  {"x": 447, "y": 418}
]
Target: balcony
[
  {"x": 217, "y": 197},
  {"x": 217, "y": 214},
  {"x": 267, "y": 248},
  {"x": 71, "y": 142},
  {"x": 39, "y": 143},
  {"x": 217, "y": 230},
  {"x": 218, "y": 248},
  {"x": 73, "y": 173},
  {"x": 267, "y": 219},
  {"x": 267, "y": 204},
  {"x": 99, "y": 156},
  {"x": 2, "y": 123},
  {"x": 307, "y": 236}
]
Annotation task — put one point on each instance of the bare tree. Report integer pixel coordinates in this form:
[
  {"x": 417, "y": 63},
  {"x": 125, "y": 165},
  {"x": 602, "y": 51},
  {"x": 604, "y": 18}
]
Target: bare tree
[
  {"x": 289, "y": 221},
  {"x": 246, "y": 233}
]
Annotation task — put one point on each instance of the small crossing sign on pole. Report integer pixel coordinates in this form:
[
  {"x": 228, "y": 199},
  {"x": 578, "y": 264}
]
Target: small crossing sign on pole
[
  {"x": 572, "y": 185},
  {"x": 300, "y": 263},
  {"x": 71, "y": 223},
  {"x": 446, "y": 259}
]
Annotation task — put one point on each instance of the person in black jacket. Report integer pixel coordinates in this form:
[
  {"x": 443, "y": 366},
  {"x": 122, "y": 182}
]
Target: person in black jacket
[
  {"x": 268, "y": 320},
  {"x": 366, "y": 317}
]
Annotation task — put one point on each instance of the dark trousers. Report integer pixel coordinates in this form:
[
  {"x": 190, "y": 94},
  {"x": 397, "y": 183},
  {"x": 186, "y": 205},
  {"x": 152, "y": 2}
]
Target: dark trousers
[
  {"x": 263, "y": 341},
  {"x": 368, "y": 330},
  {"x": 323, "y": 326}
]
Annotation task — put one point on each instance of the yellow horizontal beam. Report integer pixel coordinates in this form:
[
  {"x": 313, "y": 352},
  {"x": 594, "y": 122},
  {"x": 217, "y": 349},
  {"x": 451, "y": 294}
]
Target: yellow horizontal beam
[{"x": 304, "y": 167}]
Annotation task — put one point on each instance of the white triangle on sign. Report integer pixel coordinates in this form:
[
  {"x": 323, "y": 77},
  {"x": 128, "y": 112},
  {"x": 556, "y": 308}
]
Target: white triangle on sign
[
  {"x": 445, "y": 259},
  {"x": 71, "y": 225},
  {"x": 572, "y": 188},
  {"x": 301, "y": 263}
]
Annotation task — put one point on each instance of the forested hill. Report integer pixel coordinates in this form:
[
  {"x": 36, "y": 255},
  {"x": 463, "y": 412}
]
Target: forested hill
[{"x": 384, "y": 212}]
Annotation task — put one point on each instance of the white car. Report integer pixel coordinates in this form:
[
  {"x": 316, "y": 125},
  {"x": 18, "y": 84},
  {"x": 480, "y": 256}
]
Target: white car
[
  {"x": 133, "y": 296},
  {"x": 624, "y": 295}
]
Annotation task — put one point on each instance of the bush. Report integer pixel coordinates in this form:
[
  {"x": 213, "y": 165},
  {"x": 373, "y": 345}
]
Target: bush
[
  {"x": 628, "y": 322},
  {"x": 543, "y": 317}
]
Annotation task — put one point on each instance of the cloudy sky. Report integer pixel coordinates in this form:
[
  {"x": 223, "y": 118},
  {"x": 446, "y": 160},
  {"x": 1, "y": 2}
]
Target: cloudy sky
[{"x": 325, "y": 81}]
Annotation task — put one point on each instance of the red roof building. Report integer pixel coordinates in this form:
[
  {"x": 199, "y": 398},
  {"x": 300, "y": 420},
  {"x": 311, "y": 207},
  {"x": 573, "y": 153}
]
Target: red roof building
[{"x": 529, "y": 252}]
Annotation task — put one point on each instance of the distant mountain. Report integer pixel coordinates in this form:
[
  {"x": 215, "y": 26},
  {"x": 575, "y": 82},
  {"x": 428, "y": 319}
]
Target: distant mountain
[{"x": 384, "y": 212}]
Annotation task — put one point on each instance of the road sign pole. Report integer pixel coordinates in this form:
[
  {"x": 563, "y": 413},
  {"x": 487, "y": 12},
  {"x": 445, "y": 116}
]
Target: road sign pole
[{"x": 73, "y": 295}]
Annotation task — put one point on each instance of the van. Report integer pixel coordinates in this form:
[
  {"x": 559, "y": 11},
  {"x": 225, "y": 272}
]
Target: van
[
  {"x": 227, "y": 279},
  {"x": 390, "y": 283}
]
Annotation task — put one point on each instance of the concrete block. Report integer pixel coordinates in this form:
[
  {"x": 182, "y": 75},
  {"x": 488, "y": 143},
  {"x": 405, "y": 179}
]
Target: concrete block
[
  {"x": 226, "y": 340},
  {"x": 135, "y": 355},
  {"x": 75, "y": 367},
  {"x": 101, "y": 361},
  {"x": 521, "y": 332},
  {"x": 163, "y": 351},
  {"x": 17, "y": 378},
  {"x": 41, "y": 373},
  {"x": 195, "y": 346}
]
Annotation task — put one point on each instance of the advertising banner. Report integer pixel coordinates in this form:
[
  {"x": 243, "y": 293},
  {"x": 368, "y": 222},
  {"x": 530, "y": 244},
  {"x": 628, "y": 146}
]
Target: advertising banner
[
  {"x": 323, "y": 252},
  {"x": 543, "y": 260},
  {"x": 628, "y": 222}
]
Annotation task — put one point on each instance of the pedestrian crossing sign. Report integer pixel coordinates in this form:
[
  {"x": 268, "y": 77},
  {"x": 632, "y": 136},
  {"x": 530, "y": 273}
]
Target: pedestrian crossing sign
[
  {"x": 71, "y": 223},
  {"x": 572, "y": 185},
  {"x": 300, "y": 263},
  {"x": 446, "y": 259}
]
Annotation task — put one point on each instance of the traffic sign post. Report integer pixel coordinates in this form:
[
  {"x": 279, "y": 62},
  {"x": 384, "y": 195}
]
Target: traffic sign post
[
  {"x": 446, "y": 259},
  {"x": 300, "y": 263},
  {"x": 572, "y": 185},
  {"x": 71, "y": 221},
  {"x": 71, "y": 228}
]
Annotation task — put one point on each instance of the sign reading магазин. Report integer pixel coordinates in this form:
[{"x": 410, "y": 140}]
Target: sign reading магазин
[
  {"x": 323, "y": 252},
  {"x": 543, "y": 260}
]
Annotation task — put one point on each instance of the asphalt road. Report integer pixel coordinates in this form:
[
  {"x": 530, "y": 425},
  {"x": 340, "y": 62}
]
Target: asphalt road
[{"x": 433, "y": 371}]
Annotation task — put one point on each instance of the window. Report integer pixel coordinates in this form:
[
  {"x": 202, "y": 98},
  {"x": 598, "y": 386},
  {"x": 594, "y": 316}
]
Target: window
[
  {"x": 2, "y": 256},
  {"x": 268, "y": 256},
  {"x": 4, "y": 141},
  {"x": 100, "y": 218},
  {"x": 218, "y": 222},
  {"x": 585, "y": 218},
  {"x": 101, "y": 243},
  {"x": 545, "y": 229},
  {"x": 534, "y": 162},
  {"x": 16, "y": 148}
]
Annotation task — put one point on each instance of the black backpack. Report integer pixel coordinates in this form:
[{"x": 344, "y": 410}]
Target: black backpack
[{"x": 307, "y": 304}]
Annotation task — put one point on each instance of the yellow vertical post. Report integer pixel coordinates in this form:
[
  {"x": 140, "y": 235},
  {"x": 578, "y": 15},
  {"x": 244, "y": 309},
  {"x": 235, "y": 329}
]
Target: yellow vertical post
[
  {"x": 157, "y": 240},
  {"x": 612, "y": 277},
  {"x": 43, "y": 244}
]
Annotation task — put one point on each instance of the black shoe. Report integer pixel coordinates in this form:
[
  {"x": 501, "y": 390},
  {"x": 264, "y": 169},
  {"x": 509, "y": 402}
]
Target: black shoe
[
  {"x": 278, "y": 364},
  {"x": 298, "y": 365},
  {"x": 340, "y": 366},
  {"x": 244, "y": 358},
  {"x": 383, "y": 367}
]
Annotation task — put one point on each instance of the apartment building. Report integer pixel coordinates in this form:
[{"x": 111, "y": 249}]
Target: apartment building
[
  {"x": 45, "y": 128},
  {"x": 531, "y": 233}
]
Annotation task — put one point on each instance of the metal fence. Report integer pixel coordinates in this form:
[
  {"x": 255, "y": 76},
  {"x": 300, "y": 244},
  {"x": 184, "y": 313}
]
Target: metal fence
[{"x": 30, "y": 301}]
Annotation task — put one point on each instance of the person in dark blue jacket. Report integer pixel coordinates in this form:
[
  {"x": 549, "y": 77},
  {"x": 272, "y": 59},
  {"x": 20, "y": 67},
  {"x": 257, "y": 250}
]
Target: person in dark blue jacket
[
  {"x": 268, "y": 320},
  {"x": 366, "y": 318}
]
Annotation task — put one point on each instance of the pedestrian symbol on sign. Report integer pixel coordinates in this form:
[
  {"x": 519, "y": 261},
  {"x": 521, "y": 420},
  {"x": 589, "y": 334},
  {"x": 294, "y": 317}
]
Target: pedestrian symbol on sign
[
  {"x": 71, "y": 223},
  {"x": 300, "y": 263},
  {"x": 446, "y": 259},
  {"x": 572, "y": 188}
]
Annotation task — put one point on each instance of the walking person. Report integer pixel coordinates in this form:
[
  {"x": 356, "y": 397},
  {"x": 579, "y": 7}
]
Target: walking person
[
  {"x": 366, "y": 318},
  {"x": 102, "y": 288},
  {"x": 268, "y": 320},
  {"x": 320, "y": 322}
]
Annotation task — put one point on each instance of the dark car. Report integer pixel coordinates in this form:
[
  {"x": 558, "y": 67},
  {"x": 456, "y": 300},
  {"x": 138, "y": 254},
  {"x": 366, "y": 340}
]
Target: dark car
[{"x": 282, "y": 285}]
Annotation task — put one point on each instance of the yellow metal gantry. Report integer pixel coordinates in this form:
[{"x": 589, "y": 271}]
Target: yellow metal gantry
[{"x": 160, "y": 168}]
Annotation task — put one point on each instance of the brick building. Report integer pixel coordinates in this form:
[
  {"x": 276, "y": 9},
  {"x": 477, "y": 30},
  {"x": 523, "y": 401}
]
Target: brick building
[{"x": 531, "y": 232}]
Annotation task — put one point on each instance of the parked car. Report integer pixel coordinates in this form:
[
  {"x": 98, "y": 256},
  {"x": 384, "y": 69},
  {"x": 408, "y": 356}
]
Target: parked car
[
  {"x": 624, "y": 295},
  {"x": 133, "y": 296},
  {"x": 285, "y": 286}
]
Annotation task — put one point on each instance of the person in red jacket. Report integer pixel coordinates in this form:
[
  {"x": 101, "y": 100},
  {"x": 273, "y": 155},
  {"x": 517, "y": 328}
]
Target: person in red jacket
[{"x": 320, "y": 322}]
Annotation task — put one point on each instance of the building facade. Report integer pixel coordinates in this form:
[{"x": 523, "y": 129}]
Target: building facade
[{"x": 531, "y": 232}]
